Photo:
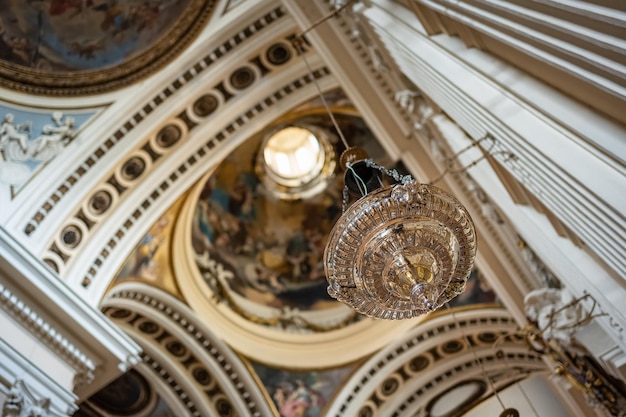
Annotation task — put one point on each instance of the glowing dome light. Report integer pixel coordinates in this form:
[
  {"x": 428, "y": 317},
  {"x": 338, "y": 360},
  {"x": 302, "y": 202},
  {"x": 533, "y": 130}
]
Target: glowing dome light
[
  {"x": 296, "y": 162},
  {"x": 294, "y": 152}
]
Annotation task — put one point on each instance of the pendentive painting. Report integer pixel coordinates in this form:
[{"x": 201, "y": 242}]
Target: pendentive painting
[
  {"x": 90, "y": 44},
  {"x": 150, "y": 261},
  {"x": 301, "y": 393}
]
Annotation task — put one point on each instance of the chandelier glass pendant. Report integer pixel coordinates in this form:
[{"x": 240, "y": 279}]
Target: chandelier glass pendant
[{"x": 400, "y": 250}]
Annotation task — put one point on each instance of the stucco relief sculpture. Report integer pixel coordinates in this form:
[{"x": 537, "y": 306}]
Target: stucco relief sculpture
[
  {"x": 16, "y": 144},
  {"x": 20, "y": 402},
  {"x": 557, "y": 313},
  {"x": 414, "y": 103},
  {"x": 22, "y": 151},
  {"x": 487, "y": 208},
  {"x": 544, "y": 275}
]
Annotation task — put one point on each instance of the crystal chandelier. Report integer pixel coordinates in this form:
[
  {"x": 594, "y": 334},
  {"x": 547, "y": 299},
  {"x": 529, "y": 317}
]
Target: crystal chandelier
[{"x": 401, "y": 250}]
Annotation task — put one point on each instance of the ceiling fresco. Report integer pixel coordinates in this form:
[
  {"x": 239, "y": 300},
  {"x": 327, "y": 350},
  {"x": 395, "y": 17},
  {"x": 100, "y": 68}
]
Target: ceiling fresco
[
  {"x": 91, "y": 44},
  {"x": 272, "y": 248},
  {"x": 150, "y": 260},
  {"x": 301, "y": 393}
]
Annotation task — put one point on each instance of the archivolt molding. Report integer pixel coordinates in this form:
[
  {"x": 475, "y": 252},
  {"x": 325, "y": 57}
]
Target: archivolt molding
[
  {"x": 150, "y": 156},
  {"x": 184, "y": 352},
  {"x": 206, "y": 155},
  {"x": 498, "y": 373},
  {"x": 435, "y": 357},
  {"x": 174, "y": 385}
]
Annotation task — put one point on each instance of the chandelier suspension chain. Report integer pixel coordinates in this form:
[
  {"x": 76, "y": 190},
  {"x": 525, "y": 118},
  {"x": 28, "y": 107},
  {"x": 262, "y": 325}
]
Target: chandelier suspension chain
[
  {"x": 486, "y": 153},
  {"x": 297, "y": 44}
]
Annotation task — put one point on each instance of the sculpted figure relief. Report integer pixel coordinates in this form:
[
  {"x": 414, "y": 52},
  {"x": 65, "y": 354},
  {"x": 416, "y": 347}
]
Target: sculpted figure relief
[
  {"x": 16, "y": 145},
  {"x": 557, "y": 313},
  {"x": 13, "y": 403},
  {"x": 11, "y": 132},
  {"x": 61, "y": 133},
  {"x": 26, "y": 144}
]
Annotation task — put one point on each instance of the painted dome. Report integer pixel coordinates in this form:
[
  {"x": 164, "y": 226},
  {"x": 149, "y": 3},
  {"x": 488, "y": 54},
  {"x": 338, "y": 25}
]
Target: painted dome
[{"x": 89, "y": 46}]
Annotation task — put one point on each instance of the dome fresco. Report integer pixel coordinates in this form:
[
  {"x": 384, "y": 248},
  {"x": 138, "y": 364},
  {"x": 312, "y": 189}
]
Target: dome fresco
[
  {"x": 272, "y": 247},
  {"x": 87, "y": 43}
]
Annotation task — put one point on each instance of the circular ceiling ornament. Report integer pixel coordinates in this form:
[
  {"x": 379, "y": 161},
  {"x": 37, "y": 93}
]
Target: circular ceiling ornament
[
  {"x": 278, "y": 54},
  {"x": 400, "y": 251},
  {"x": 205, "y": 105}
]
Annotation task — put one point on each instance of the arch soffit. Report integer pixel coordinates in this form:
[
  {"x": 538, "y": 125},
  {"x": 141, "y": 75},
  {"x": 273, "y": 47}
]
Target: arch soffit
[
  {"x": 183, "y": 352},
  {"x": 410, "y": 372}
]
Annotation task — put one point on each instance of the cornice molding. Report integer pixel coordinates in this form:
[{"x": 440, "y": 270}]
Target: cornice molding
[
  {"x": 45, "y": 332},
  {"x": 554, "y": 170},
  {"x": 47, "y": 308}
]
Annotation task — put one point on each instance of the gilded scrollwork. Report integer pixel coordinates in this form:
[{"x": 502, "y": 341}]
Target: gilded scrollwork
[
  {"x": 582, "y": 371},
  {"x": 554, "y": 317}
]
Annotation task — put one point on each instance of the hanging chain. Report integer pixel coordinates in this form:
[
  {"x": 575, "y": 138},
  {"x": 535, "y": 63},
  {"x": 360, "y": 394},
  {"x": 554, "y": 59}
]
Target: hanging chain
[
  {"x": 345, "y": 198},
  {"x": 393, "y": 173},
  {"x": 486, "y": 153},
  {"x": 297, "y": 43}
]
